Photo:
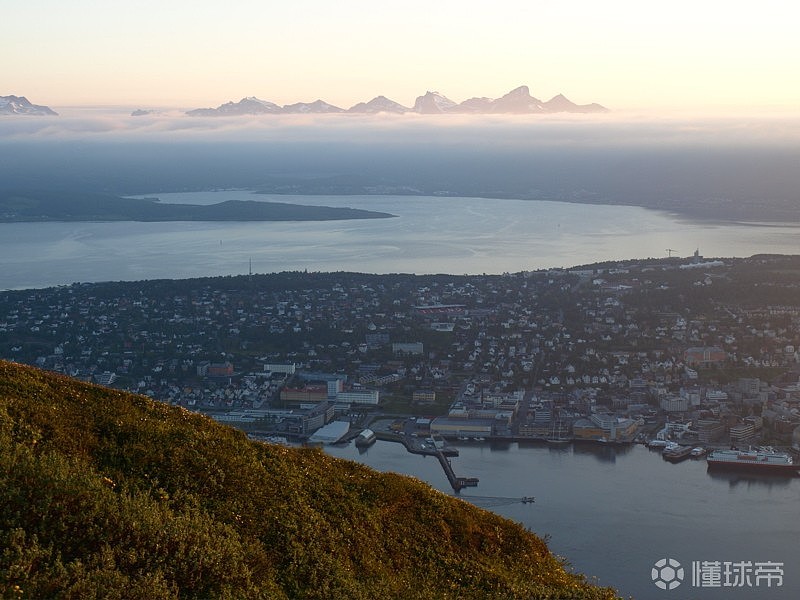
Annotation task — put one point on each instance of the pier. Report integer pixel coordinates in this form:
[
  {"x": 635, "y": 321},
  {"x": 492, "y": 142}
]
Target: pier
[{"x": 433, "y": 448}]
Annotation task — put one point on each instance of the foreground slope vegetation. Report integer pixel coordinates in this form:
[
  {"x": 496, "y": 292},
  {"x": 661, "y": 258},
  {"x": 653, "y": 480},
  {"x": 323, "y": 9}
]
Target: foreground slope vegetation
[{"x": 107, "y": 494}]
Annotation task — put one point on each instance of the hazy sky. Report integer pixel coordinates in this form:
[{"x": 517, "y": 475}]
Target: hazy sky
[{"x": 188, "y": 53}]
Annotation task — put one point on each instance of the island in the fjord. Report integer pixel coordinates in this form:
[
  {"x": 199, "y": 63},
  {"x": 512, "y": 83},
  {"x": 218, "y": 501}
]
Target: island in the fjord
[
  {"x": 92, "y": 206},
  {"x": 108, "y": 494}
]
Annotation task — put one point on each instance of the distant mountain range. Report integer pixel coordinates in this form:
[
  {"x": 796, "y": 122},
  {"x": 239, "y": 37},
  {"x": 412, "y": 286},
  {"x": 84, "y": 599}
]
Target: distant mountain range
[
  {"x": 20, "y": 105},
  {"x": 518, "y": 101}
]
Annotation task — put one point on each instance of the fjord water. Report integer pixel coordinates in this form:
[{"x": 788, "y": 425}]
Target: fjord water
[
  {"x": 613, "y": 512},
  {"x": 428, "y": 235}
]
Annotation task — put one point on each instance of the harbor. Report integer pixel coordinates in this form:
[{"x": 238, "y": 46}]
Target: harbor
[
  {"x": 639, "y": 492},
  {"x": 417, "y": 440}
]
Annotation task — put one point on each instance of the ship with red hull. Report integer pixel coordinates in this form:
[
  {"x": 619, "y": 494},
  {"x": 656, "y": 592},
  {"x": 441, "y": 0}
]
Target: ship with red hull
[{"x": 759, "y": 460}]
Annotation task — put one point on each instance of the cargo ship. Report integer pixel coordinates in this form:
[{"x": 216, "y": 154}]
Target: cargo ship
[{"x": 761, "y": 460}]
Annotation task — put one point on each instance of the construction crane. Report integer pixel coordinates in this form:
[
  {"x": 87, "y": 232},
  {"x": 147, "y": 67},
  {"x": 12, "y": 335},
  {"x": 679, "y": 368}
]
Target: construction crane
[{"x": 669, "y": 252}]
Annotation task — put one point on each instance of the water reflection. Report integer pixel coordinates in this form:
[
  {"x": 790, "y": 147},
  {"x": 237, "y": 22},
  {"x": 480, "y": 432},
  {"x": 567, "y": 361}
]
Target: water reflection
[
  {"x": 745, "y": 479},
  {"x": 499, "y": 446},
  {"x": 603, "y": 452},
  {"x": 559, "y": 448},
  {"x": 531, "y": 443}
]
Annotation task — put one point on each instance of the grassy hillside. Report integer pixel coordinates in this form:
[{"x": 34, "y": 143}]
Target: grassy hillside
[{"x": 106, "y": 494}]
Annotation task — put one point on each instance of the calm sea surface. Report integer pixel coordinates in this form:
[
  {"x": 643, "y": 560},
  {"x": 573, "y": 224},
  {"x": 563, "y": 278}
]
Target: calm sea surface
[
  {"x": 614, "y": 512},
  {"x": 429, "y": 235}
]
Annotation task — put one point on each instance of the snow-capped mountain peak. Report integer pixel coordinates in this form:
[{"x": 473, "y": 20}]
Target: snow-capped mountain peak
[
  {"x": 517, "y": 101},
  {"x": 433, "y": 103},
  {"x": 20, "y": 105}
]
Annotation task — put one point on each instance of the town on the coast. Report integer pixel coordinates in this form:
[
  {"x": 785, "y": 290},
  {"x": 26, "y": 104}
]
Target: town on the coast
[{"x": 685, "y": 354}]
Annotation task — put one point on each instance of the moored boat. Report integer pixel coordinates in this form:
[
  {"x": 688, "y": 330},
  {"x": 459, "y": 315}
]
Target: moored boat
[
  {"x": 558, "y": 434},
  {"x": 698, "y": 452},
  {"x": 675, "y": 453},
  {"x": 762, "y": 460},
  {"x": 558, "y": 441},
  {"x": 365, "y": 438}
]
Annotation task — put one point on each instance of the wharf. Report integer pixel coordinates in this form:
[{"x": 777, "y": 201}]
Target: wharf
[
  {"x": 457, "y": 483},
  {"x": 441, "y": 452},
  {"x": 425, "y": 448}
]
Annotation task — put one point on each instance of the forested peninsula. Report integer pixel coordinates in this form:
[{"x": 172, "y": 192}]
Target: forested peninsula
[{"x": 93, "y": 206}]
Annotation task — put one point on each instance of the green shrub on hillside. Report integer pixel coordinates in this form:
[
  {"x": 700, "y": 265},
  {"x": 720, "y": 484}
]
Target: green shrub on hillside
[{"x": 109, "y": 495}]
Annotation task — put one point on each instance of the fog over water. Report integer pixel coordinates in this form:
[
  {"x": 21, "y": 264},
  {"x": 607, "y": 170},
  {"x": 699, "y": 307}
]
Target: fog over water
[
  {"x": 617, "y": 159},
  {"x": 702, "y": 177}
]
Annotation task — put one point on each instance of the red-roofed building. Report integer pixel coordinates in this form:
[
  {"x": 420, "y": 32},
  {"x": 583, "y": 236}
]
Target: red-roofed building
[{"x": 704, "y": 356}]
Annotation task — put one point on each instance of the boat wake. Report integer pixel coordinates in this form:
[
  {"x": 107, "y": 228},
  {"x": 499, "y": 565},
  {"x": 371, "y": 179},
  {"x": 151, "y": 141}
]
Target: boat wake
[{"x": 493, "y": 501}]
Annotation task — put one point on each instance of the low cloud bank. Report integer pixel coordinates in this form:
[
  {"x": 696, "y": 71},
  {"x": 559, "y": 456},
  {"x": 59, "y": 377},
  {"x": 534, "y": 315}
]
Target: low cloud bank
[
  {"x": 717, "y": 167},
  {"x": 560, "y": 130}
]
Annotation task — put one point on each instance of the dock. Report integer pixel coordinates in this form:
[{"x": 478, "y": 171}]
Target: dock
[
  {"x": 441, "y": 452},
  {"x": 456, "y": 482},
  {"x": 419, "y": 446}
]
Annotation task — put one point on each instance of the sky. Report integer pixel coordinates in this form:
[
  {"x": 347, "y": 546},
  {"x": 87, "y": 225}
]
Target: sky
[{"x": 625, "y": 54}]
